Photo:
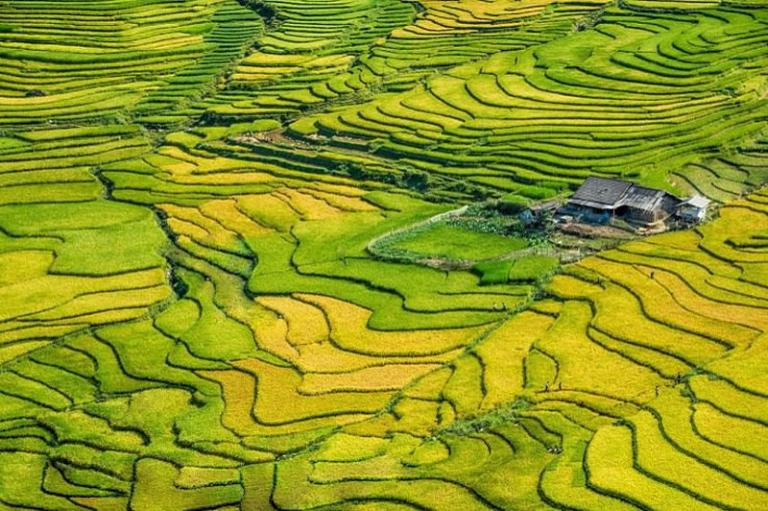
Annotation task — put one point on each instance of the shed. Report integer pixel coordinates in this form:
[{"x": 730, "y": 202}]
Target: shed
[
  {"x": 694, "y": 209},
  {"x": 537, "y": 212},
  {"x": 647, "y": 205}
]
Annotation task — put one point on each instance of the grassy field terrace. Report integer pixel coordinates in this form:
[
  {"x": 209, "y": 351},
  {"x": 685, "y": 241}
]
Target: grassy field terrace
[
  {"x": 73, "y": 61},
  {"x": 195, "y": 313},
  {"x": 320, "y": 54},
  {"x": 637, "y": 90}
]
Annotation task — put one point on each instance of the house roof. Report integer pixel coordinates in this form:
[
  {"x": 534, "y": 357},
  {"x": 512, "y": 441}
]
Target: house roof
[
  {"x": 611, "y": 194},
  {"x": 646, "y": 199},
  {"x": 600, "y": 193}
]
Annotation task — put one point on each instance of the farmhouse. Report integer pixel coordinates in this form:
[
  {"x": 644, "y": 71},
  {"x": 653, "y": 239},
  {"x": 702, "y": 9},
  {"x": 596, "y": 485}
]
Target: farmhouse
[{"x": 601, "y": 200}]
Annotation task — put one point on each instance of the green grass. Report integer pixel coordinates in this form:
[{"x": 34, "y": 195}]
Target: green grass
[{"x": 457, "y": 243}]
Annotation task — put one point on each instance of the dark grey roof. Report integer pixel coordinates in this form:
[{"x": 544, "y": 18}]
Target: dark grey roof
[
  {"x": 600, "y": 193},
  {"x": 611, "y": 194}
]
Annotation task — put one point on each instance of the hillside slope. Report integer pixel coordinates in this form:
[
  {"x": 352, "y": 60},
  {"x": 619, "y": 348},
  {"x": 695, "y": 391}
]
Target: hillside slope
[{"x": 191, "y": 316}]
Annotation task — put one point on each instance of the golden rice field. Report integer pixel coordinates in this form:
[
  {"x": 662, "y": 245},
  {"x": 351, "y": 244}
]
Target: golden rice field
[{"x": 192, "y": 316}]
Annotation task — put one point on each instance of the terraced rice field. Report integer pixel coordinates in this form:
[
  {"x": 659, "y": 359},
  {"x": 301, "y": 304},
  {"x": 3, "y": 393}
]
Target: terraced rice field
[{"x": 191, "y": 316}]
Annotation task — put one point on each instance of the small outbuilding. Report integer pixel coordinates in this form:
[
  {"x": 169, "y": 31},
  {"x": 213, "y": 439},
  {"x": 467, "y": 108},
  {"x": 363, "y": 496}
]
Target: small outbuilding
[
  {"x": 538, "y": 213},
  {"x": 693, "y": 210},
  {"x": 647, "y": 206}
]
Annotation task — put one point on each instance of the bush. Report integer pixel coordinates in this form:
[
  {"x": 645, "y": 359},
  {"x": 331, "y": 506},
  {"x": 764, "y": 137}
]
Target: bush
[{"x": 512, "y": 205}]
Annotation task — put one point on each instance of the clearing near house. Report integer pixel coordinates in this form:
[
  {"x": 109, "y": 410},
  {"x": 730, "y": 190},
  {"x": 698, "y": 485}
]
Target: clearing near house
[{"x": 233, "y": 275}]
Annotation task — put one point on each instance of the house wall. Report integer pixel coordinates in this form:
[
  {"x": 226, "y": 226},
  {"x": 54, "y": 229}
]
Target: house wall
[
  {"x": 640, "y": 215},
  {"x": 690, "y": 213}
]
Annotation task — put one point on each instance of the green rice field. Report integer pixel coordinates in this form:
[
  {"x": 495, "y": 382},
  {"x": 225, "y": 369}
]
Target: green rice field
[
  {"x": 458, "y": 243},
  {"x": 199, "y": 305}
]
